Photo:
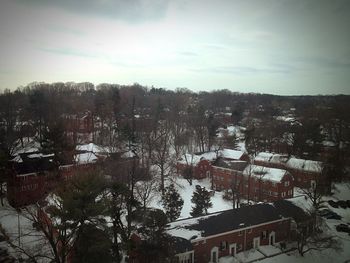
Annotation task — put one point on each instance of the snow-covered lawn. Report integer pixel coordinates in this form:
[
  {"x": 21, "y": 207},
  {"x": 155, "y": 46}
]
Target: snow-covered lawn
[
  {"x": 186, "y": 191},
  {"x": 250, "y": 255},
  {"x": 15, "y": 223}
]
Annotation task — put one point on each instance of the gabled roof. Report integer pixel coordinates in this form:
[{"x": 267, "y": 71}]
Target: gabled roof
[
  {"x": 265, "y": 173},
  {"x": 222, "y": 222},
  {"x": 193, "y": 159},
  {"x": 304, "y": 165},
  {"x": 271, "y": 158},
  {"x": 231, "y": 154}
]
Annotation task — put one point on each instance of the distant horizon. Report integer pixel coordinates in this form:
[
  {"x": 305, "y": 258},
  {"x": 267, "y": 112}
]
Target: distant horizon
[
  {"x": 169, "y": 89},
  {"x": 278, "y": 47}
]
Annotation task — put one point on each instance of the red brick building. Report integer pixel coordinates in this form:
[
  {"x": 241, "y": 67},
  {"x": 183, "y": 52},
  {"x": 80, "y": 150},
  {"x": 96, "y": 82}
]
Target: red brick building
[
  {"x": 306, "y": 173},
  {"x": 230, "y": 232},
  {"x": 195, "y": 166},
  {"x": 200, "y": 165},
  {"x": 262, "y": 183}
]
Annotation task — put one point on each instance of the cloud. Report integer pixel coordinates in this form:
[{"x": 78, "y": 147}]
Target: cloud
[
  {"x": 323, "y": 62},
  {"x": 132, "y": 11},
  {"x": 68, "y": 52},
  {"x": 237, "y": 70}
]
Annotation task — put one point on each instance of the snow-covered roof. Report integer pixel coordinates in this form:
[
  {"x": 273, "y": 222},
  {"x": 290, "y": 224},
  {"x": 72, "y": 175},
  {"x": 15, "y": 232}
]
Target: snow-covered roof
[
  {"x": 263, "y": 157},
  {"x": 182, "y": 228},
  {"x": 265, "y": 173},
  {"x": 17, "y": 159},
  {"x": 190, "y": 159},
  {"x": 40, "y": 155},
  {"x": 223, "y": 221},
  {"x": 91, "y": 147},
  {"x": 82, "y": 158},
  {"x": 211, "y": 156},
  {"x": 271, "y": 158},
  {"x": 30, "y": 146},
  {"x": 303, "y": 202},
  {"x": 231, "y": 154},
  {"x": 304, "y": 165},
  {"x": 128, "y": 154}
]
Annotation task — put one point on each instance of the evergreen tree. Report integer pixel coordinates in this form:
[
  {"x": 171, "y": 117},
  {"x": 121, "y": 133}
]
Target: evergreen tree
[
  {"x": 155, "y": 247},
  {"x": 201, "y": 200},
  {"x": 172, "y": 203}
]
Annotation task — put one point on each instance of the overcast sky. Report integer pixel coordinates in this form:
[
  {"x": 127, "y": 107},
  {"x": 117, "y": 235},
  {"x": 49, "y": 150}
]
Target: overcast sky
[{"x": 268, "y": 46}]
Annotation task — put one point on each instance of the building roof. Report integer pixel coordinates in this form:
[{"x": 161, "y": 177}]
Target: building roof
[
  {"x": 265, "y": 173},
  {"x": 211, "y": 156},
  {"x": 84, "y": 158},
  {"x": 221, "y": 222},
  {"x": 236, "y": 165},
  {"x": 271, "y": 158},
  {"x": 181, "y": 245},
  {"x": 304, "y": 165},
  {"x": 298, "y": 208},
  {"x": 231, "y": 154}
]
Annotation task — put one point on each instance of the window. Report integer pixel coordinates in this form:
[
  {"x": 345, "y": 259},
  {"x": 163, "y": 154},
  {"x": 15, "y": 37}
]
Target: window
[
  {"x": 273, "y": 184},
  {"x": 283, "y": 194},
  {"x": 286, "y": 183},
  {"x": 223, "y": 245},
  {"x": 240, "y": 233},
  {"x": 264, "y": 234}
]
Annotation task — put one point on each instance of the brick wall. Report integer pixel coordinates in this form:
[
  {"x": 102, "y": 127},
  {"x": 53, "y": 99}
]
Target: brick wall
[{"x": 243, "y": 240}]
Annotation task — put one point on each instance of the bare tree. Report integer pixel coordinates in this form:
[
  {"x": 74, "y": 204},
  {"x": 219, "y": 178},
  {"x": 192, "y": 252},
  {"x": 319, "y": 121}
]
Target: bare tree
[{"x": 145, "y": 191}]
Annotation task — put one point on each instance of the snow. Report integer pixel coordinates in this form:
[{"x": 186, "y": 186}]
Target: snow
[
  {"x": 190, "y": 159},
  {"x": 341, "y": 191},
  {"x": 186, "y": 191},
  {"x": 303, "y": 202},
  {"x": 270, "y": 250},
  {"x": 128, "y": 154},
  {"x": 29, "y": 146},
  {"x": 231, "y": 154},
  {"x": 304, "y": 165},
  {"x": 271, "y": 158},
  {"x": 91, "y": 147},
  {"x": 15, "y": 223},
  {"x": 17, "y": 159},
  {"x": 328, "y": 143},
  {"x": 285, "y": 118},
  {"x": 40, "y": 155},
  {"x": 263, "y": 157},
  {"x": 250, "y": 255},
  {"x": 325, "y": 256},
  {"x": 85, "y": 158},
  {"x": 194, "y": 159},
  {"x": 238, "y": 131},
  {"x": 266, "y": 173},
  {"x": 228, "y": 259}
]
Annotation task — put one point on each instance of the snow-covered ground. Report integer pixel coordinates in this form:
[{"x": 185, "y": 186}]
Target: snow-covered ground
[
  {"x": 341, "y": 192},
  {"x": 186, "y": 191},
  {"x": 15, "y": 225}
]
